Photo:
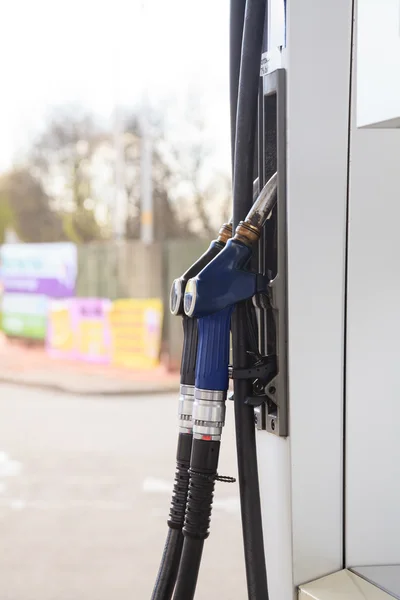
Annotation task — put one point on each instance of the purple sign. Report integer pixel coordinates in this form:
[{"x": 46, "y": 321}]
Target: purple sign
[
  {"x": 92, "y": 326},
  {"x": 53, "y": 288},
  {"x": 79, "y": 328},
  {"x": 46, "y": 269}
]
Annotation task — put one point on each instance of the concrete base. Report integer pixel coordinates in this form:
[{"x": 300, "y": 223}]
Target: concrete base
[
  {"x": 386, "y": 577},
  {"x": 343, "y": 585}
]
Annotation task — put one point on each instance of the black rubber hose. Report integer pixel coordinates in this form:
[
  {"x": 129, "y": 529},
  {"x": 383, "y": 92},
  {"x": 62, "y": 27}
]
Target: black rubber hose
[
  {"x": 168, "y": 570},
  {"x": 257, "y": 586},
  {"x": 247, "y": 109},
  {"x": 237, "y": 9},
  {"x": 203, "y": 471},
  {"x": 250, "y": 505},
  {"x": 169, "y": 566},
  {"x": 186, "y": 586}
]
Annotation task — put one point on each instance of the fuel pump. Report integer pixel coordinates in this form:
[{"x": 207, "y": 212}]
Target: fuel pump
[
  {"x": 327, "y": 471},
  {"x": 211, "y": 297}
]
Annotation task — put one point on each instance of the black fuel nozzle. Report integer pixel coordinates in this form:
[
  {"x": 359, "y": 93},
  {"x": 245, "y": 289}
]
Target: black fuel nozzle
[{"x": 179, "y": 284}]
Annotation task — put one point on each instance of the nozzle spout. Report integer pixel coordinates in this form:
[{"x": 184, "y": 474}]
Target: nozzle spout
[
  {"x": 256, "y": 185},
  {"x": 249, "y": 230},
  {"x": 264, "y": 204}
]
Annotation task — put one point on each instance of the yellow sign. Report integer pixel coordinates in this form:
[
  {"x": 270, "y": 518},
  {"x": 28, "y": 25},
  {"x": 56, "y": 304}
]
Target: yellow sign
[
  {"x": 60, "y": 331},
  {"x": 136, "y": 327},
  {"x": 91, "y": 339}
]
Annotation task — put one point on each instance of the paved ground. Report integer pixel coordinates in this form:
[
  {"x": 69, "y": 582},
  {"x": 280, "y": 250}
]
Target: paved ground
[
  {"x": 30, "y": 365},
  {"x": 84, "y": 494}
]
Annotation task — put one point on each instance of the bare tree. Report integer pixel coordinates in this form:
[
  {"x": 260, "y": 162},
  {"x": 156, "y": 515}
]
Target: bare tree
[
  {"x": 28, "y": 208},
  {"x": 168, "y": 223},
  {"x": 61, "y": 159},
  {"x": 203, "y": 193},
  {"x": 73, "y": 154}
]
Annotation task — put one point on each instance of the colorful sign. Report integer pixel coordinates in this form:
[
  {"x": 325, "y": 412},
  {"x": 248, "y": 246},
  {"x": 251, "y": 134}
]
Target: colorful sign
[
  {"x": 30, "y": 274},
  {"x": 45, "y": 269},
  {"x": 60, "y": 339},
  {"x": 91, "y": 321},
  {"x": 79, "y": 328},
  {"x": 124, "y": 333},
  {"x": 136, "y": 327},
  {"x": 25, "y": 316}
]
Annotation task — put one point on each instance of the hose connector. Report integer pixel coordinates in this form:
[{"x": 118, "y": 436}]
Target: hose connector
[
  {"x": 208, "y": 414},
  {"x": 247, "y": 233},
  {"x": 185, "y": 408},
  {"x": 225, "y": 233}
]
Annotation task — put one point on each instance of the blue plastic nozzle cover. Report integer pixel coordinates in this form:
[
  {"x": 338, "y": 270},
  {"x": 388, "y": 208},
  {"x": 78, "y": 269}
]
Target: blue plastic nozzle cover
[{"x": 211, "y": 297}]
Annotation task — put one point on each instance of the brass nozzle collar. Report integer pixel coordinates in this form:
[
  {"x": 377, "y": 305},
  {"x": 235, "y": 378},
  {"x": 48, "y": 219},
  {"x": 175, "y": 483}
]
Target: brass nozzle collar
[
  {"x": 225, "y": 233},
  {"x": 247, "y": 233}
]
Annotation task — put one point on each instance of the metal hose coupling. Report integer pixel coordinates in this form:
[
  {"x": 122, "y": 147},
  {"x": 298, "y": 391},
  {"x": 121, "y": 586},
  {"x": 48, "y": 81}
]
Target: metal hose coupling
[
  {"x": 208, "y": 414},
  {"x": 185, "y": 408},
  {"x": 225, "y": 233},
  {"x": 248, "y": 231}
]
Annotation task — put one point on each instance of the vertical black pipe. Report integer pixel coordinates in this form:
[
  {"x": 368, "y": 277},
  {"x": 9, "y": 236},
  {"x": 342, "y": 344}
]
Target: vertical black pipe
[
  {"x": 237, "y": 9},
  {"x": 242, "y": 199},
  {"x": 247, "y": 108}
]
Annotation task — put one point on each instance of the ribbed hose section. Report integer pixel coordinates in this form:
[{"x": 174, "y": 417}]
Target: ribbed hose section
[
  {"x": 167, "y": 573},
  {"x": 169, "y": 566},
  {"x": 242, "y": 200},
  {"x": 181, "y": 482},
  {"x": 199, "y": 504},
  {"x": 203, "y": 470}
]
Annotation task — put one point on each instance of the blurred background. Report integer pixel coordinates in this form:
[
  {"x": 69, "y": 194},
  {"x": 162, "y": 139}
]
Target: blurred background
[{"x": 114, "y": 177}]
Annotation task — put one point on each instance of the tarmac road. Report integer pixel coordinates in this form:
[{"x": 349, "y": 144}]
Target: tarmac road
[{"x": 84, "y": 496}]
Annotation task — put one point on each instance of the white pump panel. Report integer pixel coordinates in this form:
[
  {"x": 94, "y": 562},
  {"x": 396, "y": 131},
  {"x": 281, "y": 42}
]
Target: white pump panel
[
  {"x": 330, "y": 491},
  {"x": 378, "y": 69}
]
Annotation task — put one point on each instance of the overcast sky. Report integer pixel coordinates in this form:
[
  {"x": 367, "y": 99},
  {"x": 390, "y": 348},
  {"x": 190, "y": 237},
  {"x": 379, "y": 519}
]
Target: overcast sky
[{"x": 96, "y": 52}]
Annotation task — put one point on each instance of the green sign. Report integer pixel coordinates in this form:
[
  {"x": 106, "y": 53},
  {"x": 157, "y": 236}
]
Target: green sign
[
  {"x": 25, "y": 315},
  {"x": 27, "y": 326}
]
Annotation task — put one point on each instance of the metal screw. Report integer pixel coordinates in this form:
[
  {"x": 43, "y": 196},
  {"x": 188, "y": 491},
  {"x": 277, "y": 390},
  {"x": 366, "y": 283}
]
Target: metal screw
[
  {"x": 272, "y": 389},
  {"x": 255, "y": 418},
  {"x": 258, "y": 387},
  {"x": 273, "y": 424}
]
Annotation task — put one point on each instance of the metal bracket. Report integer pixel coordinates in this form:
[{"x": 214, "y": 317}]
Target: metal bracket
[
  {"x": 263, "y": 370},
  {"x": 263, "y": 376}
]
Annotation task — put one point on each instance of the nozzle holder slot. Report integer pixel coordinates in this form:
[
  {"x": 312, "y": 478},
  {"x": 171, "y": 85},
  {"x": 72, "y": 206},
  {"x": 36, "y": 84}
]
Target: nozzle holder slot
[{"x": 272, "y": 414}]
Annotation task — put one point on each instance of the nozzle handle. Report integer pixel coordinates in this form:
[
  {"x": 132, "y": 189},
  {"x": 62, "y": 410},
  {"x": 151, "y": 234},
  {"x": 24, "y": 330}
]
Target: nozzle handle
[
  {"x": 213, "y": 350},
  {"x": 178, "y": 285},
  {"x": 189, "y": 350},
  {"x": 214, "y": 248}
]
